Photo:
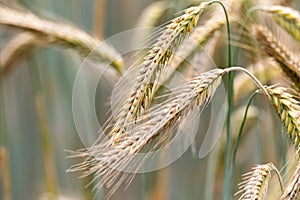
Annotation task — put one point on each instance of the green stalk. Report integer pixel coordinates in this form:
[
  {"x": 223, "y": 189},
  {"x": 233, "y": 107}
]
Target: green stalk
[
  {"x": 239, "y": 138},
  {"x": 226, "y": 187},
  {"x": 44, "y": 131},
  {"x": 4, "y": 159},
  {"x": 229, "y": 170},
  {"x": 284, "y": 154},
  {"x": 2, "y": 113},
  {"x": 5, "y": 171},
  {"x": 144, "y": 186},
  {"x": 211, "y": 173}
]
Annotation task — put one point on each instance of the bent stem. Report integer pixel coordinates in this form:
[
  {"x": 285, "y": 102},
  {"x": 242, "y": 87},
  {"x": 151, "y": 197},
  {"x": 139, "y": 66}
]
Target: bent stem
[
  {"x": 263, "y": 89},
  {"x": 239, "y": 137},
  {"x": 256, "y": 81},
  {"x": 279, "y": 179},
  {"x": 228, "y": 183}
]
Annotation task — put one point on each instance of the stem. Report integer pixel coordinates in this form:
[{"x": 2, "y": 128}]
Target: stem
[
  {"x": 2, "y": 112},
  {"x": 4, "y": 159},
  {"x": 284, "y": 154},
  {"x": 99, "y": 17},
  {"x": 256, "y": 81},
  {"x": 44, "y": 130},
  {"x": 279, "y": 179},
  {"x": 228, "y": 30},
  {"x": 239, "y": 137},
  {"x": 226, "y": 191},
  {"x": 5, "y": 170},
  {"x": 263, "y": 89},
  {"x": 211, "y": 173},
  {"x": 258, "y": 141},
  {"x": 144, "y": 187}
]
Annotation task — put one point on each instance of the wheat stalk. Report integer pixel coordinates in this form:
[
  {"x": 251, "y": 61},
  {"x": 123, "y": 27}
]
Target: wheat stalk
[
  {"x": 290, "y": 64},
  {"x": 103, "y": 159},
  {"x": 256, "y": 182},
  {"x": 261, "y": 70},
  {"x": 287, "y": 106},
  {"x": 5, "y": 173},
  {"x": 292, "y": 190},
  {"x": 61, "y": 34}
]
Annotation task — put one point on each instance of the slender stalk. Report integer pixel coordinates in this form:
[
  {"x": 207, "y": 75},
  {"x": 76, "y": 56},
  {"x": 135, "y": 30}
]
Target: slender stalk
[
  {"x": 226, "y": 192},
  {"x": 4, "y": 159},
  {"x": 279, "y": 180},
  {"x": 284, "y": 153},
  {"x": 257, "y": 128},
  {"x": 228, "y": 31},
  {"x": 99, "y": 17},
  {"x": 159, "y": 187},
  {"x": 44, "y": 130},
  {"x": 5, "y": 170},
  {"x": 2, "y": 112},
  {"x": 144, "y": 187},
  {"x": 239, "y": 137},
  {"x": 256, "y": 81},
  {"x": 228, "y": 183},
  {"x": 211, "y": 173}
]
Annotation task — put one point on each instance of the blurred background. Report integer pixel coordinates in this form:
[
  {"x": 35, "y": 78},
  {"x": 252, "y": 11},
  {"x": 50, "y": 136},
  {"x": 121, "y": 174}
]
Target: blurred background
[{"x": 39, "y": 124}]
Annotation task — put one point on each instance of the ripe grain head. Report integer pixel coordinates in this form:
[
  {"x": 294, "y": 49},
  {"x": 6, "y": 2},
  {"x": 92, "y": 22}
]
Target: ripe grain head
[
  {"x": 255, "y": 183},
  {"x": 60, "y": 34},
  {"x": 289, "y": 62},
  {"x": 107, "y": 158},
  {"x": 287, "y": 105},
  {"x": 292, "y": 189}
]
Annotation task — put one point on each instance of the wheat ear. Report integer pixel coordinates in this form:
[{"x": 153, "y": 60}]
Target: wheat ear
[
  {"x": 61, "y": 34},
  {"x": 205, "y": 35},
  {"x": 199, "y": 37},
  {"x": 292, "y": 190},
  {"x": 155, "y": 61},
  {"x": 103, "y": 159},
  {"x": 261, "y": 70},
  {"x": 287, "y": 106},
  {"x": 289, "y": 63},
  {"x": 256, "y": 182},
  {"x": 287, "y": 18}
]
